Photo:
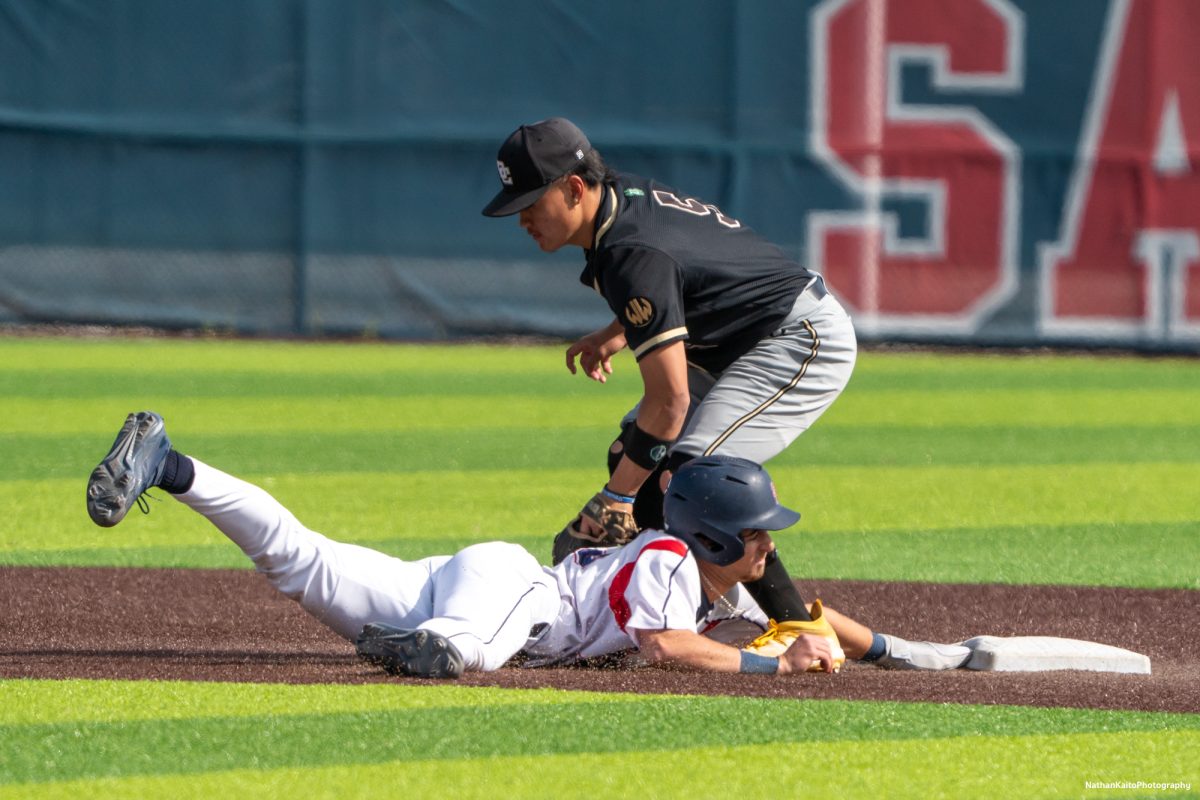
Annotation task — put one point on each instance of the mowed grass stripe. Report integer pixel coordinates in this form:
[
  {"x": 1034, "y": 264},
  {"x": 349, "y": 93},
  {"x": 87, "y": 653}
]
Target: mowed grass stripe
[
  {"x": 1022, "y": 766},
  {"x": 583, "y": 446},
  {"x": 423, "y": 364},
  {"x": 100, "y": 418},
  {"x": 263, "y": 356},
  {"x": 599, "y": 406},
  {"x": 1145, "y": 556},
  {"x": 1033, "y": 408},
  {"x": 223, "y": 555},
  {"x": 36, "y": 702},
  {"x": 72, "y": 750},
  {"x": 849, "y": 498},
  {"x": 105, "y": 701},
  {"x": 265, "y": 382},
  {"x": 320, "y": 451},
  {"x": 984, "y": 372}
]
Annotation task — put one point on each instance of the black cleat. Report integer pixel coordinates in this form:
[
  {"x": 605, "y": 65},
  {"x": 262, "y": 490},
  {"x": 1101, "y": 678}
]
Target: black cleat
[
  {"x": 415, "y": 652},
  {"x": 133, "y": 465}
]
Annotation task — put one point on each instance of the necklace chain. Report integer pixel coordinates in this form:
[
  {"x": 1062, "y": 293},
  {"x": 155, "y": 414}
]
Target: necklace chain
[{"x": 728, "y": 607}]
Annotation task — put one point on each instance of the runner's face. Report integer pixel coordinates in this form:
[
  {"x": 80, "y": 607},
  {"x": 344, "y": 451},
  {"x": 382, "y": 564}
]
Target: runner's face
[{"x": 753, "y": 563}]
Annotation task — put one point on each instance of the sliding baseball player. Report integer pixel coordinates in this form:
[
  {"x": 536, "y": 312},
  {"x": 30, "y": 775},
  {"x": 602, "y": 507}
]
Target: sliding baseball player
[{"x": 475, "y": 610}]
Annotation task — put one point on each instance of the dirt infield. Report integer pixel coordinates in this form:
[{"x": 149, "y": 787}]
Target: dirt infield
[{"x": 229, "y": 625}]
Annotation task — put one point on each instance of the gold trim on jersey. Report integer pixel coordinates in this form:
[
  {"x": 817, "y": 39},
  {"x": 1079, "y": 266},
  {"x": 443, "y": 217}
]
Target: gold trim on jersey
[
  {"x": 649, "y": 344},
  {"x": 763, "y": 406},
  {"x": 612, "y": 217},
  {"x": 604, "y": 226}
]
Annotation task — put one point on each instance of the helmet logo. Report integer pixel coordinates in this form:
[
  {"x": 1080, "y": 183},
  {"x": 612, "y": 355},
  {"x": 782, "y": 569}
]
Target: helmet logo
[{"x": 774, "y": 494}]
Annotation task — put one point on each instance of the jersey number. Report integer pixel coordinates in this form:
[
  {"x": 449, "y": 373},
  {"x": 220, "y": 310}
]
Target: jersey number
[{"x": 691, "y": 205}]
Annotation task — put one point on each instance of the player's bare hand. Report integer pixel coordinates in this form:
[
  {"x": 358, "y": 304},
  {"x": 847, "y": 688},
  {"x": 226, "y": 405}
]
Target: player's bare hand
[
  {"x": 595, "y": 352},
  {"x": 808, "y": 653},
  {"x": 591, "y": 360}
]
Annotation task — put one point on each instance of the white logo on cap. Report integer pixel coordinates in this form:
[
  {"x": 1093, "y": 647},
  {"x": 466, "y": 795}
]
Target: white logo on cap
[
  {"x": 505, "y": 175},
  {"x": 578, "y": 155}
]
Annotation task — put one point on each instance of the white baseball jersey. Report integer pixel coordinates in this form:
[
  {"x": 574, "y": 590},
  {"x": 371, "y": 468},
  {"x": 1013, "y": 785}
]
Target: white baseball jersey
[
  {"x": 653, "y": 583},
  {"x": 486, "y": 599}
]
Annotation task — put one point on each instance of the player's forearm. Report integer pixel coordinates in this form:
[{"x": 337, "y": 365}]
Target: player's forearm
[
  {"x": 677, "y": 648},
  {"x": 628, "y": 478},
  {"x": 665, "y": 396},
  {"x": 612, "y": 332},
  {"x": 660, "y": 417},
  {"x": 682, "y": 648},
  {"x": 662, "y": 413}
]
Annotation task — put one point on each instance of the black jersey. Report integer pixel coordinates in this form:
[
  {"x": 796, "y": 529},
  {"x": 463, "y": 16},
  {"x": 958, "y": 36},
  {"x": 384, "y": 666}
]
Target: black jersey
[{"x": 674, "y": 268}]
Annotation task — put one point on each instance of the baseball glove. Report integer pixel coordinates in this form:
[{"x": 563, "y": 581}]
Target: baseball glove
[{"x": 618, "y": 524}]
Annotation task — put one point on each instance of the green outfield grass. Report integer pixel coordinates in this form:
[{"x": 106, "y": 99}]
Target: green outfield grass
[
  {"x": 120, "y": 739},
  {"x": 1047, "y": 469},
  {"x": 931, "y": 467}
]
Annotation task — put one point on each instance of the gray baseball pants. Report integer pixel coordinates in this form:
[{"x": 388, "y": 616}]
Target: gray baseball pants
[{"x": 777, "y": 390}]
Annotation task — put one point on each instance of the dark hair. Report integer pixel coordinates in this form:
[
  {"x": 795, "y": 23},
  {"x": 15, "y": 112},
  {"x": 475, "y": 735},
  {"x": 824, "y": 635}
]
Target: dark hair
[{"x": 593, "y": 170}]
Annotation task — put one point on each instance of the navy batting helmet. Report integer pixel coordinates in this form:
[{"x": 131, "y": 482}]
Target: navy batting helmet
[{"x": 712, "y": 499}]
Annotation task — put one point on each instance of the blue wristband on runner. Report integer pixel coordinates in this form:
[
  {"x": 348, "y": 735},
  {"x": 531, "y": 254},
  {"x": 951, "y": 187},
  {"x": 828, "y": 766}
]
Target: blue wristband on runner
[{"x": 753, "y": 662}]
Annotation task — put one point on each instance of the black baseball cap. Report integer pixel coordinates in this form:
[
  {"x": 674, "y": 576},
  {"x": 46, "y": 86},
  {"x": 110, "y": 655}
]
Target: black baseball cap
[{"x": 531, "y": 159}]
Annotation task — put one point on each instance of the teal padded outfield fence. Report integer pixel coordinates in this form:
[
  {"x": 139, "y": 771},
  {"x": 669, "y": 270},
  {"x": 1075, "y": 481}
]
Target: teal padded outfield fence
[{"x": 980, "y": 171}]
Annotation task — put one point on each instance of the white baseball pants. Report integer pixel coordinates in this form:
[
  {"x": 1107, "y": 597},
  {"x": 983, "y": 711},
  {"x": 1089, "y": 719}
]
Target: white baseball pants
[{"x": 485, "y": 599}]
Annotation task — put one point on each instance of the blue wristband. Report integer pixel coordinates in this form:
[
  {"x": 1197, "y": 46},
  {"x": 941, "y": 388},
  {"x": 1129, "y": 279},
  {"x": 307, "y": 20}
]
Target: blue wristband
[
  {"x": 753, "y": 662},
  {"x": 620, "y": 498}
]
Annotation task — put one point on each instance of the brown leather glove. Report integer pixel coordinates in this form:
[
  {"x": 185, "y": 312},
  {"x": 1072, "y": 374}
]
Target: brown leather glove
[{"x": 616, "y": 527}]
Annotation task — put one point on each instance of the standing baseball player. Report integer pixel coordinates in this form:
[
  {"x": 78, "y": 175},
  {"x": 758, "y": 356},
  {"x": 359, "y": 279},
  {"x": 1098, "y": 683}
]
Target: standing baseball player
[
  {"x": 475, "y": 610},
  {"x": 740, "y": 348}
]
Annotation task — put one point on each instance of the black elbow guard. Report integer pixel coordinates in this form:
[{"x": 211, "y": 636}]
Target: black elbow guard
[{"x": 644, "y": 449}]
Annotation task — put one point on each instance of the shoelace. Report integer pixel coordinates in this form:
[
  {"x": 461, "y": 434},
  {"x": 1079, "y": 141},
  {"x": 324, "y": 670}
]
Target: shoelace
[
  {"x": 767, "y": 636},
  {"x": 142, "y": 501}
]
